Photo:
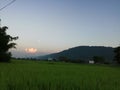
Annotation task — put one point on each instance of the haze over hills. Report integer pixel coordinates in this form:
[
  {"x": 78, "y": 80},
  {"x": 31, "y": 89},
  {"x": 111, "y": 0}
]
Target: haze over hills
[{"x": 84, "y": 53}]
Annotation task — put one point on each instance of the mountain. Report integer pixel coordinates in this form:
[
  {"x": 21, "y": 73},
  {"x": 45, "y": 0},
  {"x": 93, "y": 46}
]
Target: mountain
[{"x": 84, "y": 53}]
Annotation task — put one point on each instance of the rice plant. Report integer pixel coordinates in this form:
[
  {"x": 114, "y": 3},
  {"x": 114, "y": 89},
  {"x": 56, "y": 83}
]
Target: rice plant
[{"x": 39, "y": 75}]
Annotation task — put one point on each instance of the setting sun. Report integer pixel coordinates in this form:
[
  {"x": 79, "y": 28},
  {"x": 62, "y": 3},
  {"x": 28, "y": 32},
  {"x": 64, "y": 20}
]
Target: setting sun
[{"x": 31, "y": 50}]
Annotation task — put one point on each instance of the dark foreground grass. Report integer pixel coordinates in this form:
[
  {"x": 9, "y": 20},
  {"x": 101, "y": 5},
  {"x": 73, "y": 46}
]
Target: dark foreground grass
[{"x": 31, "y": 75}]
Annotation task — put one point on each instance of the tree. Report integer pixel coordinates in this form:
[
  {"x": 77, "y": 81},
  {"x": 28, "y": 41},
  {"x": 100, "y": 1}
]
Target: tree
[
  {"x": 63, "y": 58},
  {"x": 98, "y": 59},
  {"x": 6, "y": 43},
  {"x": 117, "y": 54}
]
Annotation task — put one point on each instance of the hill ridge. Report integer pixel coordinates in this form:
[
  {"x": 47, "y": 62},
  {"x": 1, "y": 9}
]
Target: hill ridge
[{"x": 84, "y": 53}]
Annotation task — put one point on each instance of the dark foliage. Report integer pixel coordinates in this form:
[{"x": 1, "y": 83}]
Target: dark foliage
[
  {"x": 78, "y": 61},
  {"x": 6, "y": 44},
  {"x": 117, "y": 54},
  {"x": 98, "y": 59},
  {"x": 63, "y": 58}
]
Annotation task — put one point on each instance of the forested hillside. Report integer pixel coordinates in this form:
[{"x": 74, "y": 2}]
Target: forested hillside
[{"x": 84, "y": 53}]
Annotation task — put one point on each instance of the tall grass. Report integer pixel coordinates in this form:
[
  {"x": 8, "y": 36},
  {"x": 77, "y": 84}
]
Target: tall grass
[{"x": 31, "y": 75}]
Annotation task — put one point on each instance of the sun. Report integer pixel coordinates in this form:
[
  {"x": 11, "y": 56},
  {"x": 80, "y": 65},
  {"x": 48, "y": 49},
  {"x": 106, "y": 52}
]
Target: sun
[{"x": 31, "y": 50}]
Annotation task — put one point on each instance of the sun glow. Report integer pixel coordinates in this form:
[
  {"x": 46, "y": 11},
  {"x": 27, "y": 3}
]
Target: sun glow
[{"x": 31, "y": 50}]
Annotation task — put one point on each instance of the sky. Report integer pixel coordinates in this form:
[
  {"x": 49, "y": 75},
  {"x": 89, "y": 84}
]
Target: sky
[{"x": 50, "y": 26}]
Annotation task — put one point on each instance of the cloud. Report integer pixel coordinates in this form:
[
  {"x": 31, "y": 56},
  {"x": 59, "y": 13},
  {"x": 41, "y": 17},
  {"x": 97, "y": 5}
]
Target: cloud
[{"x": 31, "y": 50}]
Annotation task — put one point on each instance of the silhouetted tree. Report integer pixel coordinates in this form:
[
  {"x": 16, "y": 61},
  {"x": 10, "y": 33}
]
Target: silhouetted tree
[
  {"x": 98, "y": 59},
  {"x": 64, "y": 58},
  {"x": 6, "y": 44},
  {"x": 117, "y": 54}
]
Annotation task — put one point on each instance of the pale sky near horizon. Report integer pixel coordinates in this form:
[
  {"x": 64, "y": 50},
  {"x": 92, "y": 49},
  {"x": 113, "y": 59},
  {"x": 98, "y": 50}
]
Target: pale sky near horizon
[{"x": 54, "y": 25}]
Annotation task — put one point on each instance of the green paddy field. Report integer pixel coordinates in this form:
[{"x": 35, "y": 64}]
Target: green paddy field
[{"x": 43, "y": 75}]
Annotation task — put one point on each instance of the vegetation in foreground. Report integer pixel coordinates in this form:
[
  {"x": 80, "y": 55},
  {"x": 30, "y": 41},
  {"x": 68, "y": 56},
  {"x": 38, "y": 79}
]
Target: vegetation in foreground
[
  {"x": 39, "y": 75},
  {"x": 6, "y": 43}
]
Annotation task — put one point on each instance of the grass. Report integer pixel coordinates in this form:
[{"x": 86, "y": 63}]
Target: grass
[{"x": 40, "y": 75}]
